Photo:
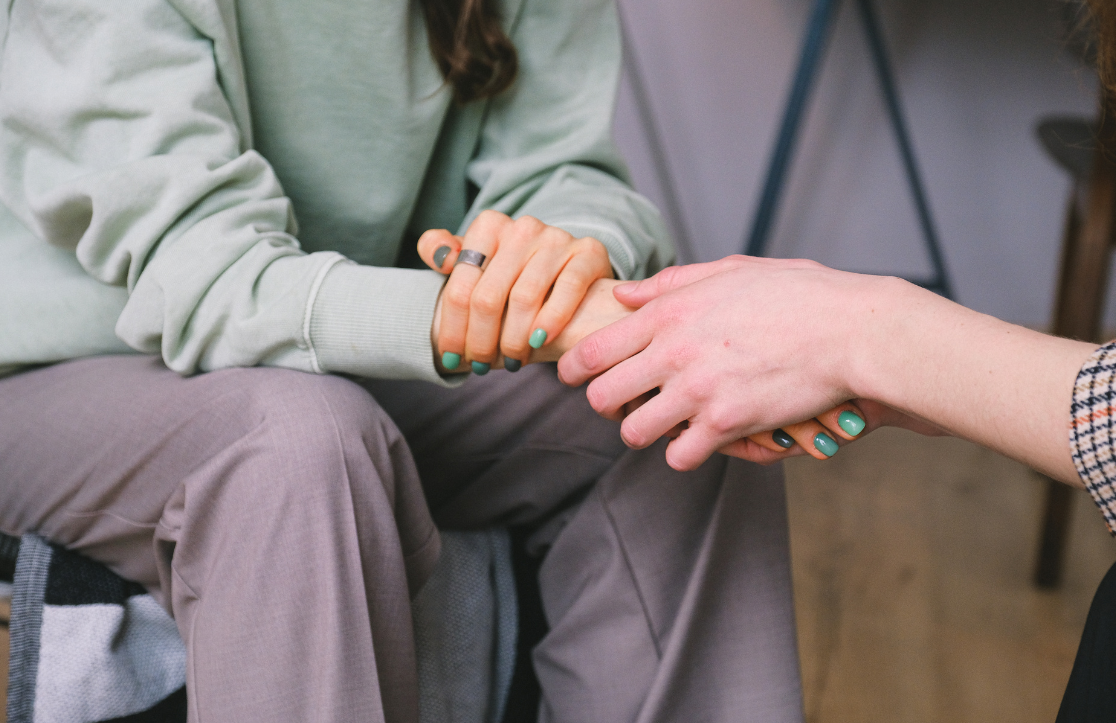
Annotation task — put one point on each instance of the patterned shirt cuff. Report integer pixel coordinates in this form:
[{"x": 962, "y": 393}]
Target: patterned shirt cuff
[{"x": 1093, "y": 429}]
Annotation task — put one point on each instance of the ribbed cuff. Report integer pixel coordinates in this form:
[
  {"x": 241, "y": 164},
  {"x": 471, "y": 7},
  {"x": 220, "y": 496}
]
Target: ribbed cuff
[
  {"x": 1093, "y": 429},
  {"x": 375, "y": 322}
]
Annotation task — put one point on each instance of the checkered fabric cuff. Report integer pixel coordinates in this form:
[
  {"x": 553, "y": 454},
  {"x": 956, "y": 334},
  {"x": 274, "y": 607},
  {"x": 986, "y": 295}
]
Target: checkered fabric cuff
[{"x": 1092, "y": 430}]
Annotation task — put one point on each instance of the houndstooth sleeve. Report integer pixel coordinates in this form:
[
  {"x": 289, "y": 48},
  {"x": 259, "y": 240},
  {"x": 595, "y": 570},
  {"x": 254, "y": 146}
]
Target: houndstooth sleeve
[{"x": 1093, "y": 429}]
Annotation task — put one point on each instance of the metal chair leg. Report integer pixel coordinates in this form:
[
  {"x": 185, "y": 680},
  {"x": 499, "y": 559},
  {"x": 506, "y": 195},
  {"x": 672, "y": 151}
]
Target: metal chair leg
[
  {"x": 940, "y": 281},
  {"x": 821, "y": 22},
  {"x": 818, "y": 30}
]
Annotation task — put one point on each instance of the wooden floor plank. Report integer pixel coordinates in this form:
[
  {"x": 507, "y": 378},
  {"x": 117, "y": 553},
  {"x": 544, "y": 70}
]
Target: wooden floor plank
[{"x": 912, "y": 568}]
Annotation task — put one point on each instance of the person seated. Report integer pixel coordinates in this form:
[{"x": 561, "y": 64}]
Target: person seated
[{"x": 264, "y": 421}]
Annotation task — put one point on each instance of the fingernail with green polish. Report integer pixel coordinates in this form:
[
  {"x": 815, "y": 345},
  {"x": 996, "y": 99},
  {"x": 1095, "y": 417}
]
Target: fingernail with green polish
[
  {"x": 513, "y": 365},
  {"x": 538, "y": 338},
  {"x": 782, "y": 439},
  {"x": 480, "y": 368},
  {"x": 825, "y": 444},
  {"x": 450, "y": 360},
  {"x": 851, "y": 423},
  {"x": 440, "y": 255}
]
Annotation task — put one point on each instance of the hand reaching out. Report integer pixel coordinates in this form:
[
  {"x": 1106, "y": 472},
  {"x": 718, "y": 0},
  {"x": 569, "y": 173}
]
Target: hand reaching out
[{"x": 707, "y": 354}]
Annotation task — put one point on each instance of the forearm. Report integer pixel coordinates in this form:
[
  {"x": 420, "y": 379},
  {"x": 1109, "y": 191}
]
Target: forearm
[{"x": 997, "y": 384}]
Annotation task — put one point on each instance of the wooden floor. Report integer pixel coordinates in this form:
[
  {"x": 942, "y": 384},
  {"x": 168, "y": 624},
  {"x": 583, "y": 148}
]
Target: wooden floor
[
  {"x": 912, "y": 567},
  {"x": 912, "y": 573}
]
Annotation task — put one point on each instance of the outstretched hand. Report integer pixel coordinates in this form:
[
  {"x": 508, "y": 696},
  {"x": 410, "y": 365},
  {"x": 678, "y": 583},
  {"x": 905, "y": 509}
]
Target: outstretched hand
[{"x": 705, "y": 337}]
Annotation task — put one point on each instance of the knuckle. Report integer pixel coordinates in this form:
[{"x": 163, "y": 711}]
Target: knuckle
[
  {"x": 516, "y": 233},
  {"x": 525, "y": 295},
  {"x": 457, "y": 296},
  {"x": 722, "y": 422},
  {"x": 488, "y": 302},
  {"x": 592, "y": 352},
  {"x": 597, "y": 397},
  {"x": 696, "y": 388},
  {"x": 489, "y": 217},
  {"x": 668, "y": 276},
  {"x": 529, "y": 224},
  {"x": 514, "y": 350},
  {"x": 567, "y": 284},
  {"x": 554, "y": 238},
  {"x": 593, "y": 248}
]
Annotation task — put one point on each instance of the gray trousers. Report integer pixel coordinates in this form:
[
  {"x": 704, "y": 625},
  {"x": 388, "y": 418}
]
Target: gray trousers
[{"x": 285, "y": 520}]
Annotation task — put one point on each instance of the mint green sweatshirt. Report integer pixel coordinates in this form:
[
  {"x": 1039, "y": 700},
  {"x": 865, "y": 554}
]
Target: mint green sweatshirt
[{"x": 241, "y": 182}]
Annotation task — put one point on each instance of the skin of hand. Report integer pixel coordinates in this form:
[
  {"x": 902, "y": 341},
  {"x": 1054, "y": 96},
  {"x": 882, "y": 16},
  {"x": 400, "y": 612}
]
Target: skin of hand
[
  {"x": 743, "y": 344},
  {"x": 600, "y": 308},
  {"x": 597, "y": 310},
  {"x": 534, "y": 278}
]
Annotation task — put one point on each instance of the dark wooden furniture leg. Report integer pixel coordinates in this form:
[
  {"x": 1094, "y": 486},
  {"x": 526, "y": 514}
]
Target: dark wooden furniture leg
[{"x": 1089, "y": 238}]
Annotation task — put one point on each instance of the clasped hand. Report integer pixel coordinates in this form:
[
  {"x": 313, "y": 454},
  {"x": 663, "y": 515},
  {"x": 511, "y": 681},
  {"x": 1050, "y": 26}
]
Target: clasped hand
[
  {"x": 721, "y": 353},
  {"x": 541, "y": 291},
  {"x": 531, "y": 284}
]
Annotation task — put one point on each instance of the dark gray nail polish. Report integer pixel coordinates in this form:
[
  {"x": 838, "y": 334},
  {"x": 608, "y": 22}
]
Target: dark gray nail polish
[
  {"x": 440, "y": 255},
  {"x": 513, "y": 365},
  {"x": 782, "y": 439}
]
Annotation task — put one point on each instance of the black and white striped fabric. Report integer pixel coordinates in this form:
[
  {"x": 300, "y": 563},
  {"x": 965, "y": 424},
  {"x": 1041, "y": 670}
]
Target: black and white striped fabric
[
  {"x": 89, "y": 646},
  {"x": 1093, "y": 429}
]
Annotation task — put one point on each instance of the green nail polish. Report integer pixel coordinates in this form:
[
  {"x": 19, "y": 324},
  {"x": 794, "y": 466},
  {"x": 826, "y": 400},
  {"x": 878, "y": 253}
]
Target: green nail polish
[
  {"x": 782, "y": 439},
  {"x": 538, "y": 338},
  {"x": 825, "y": 444},
  {"x": 450, "y": 360},
  {"x": 440, "y": 255},
  {"x": 851, "y": 423},
  {"x": 513, "y": 365},
  {"x": 480, "y": 368}
]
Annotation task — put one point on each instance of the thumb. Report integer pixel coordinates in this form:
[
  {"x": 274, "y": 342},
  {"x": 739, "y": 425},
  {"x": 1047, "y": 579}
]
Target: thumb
[
  {"x": 638, "y": 293},
  {"x": 438, "y": 249}
]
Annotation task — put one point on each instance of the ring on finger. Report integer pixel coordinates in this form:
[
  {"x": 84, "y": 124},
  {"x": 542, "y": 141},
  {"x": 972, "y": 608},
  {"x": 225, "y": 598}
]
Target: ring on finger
[{"x": 470, "y": 257}]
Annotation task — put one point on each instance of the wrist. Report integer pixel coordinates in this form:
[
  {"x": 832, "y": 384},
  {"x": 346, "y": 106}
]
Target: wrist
[{"x": 889, "y": 320}]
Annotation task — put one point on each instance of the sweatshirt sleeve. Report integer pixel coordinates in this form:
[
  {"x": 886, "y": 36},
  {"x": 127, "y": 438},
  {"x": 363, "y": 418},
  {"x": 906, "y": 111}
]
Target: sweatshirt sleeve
[
  {"x": 122, "y": 140},
  {"x": 1093, "y": 429},
  {"x": 546, "y": 145}
]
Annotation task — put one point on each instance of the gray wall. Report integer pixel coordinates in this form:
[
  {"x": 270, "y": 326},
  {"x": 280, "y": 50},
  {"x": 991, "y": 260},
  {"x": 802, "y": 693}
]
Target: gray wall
[{"x": 974, "y": 76}]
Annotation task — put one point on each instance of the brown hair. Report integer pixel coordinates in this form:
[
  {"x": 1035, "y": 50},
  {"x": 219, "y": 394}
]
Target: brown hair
[
  {"x": 469, "y": 44},
  {"x": 1104, "y": 16}
]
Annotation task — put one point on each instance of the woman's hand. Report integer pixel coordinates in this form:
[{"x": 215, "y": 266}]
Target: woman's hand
[
  {"x": 533, "y": 280},
  {"x": 793, "y": 440},
  {"x": 735, "y": 347}
]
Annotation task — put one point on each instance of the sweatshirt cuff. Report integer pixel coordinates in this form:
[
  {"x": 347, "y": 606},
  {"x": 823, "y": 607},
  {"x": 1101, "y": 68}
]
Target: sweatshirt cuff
[
  {"x": 1092, "y": 436},
  {"x": 375, "y": 322}
]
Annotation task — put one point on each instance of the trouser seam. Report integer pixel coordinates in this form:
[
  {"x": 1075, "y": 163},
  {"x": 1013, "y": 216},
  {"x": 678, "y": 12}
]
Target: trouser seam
[{"x": 631, "y": 574}]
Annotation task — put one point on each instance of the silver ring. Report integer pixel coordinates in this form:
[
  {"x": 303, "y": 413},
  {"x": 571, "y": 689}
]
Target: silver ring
[{"x": 470, "y": 258}]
